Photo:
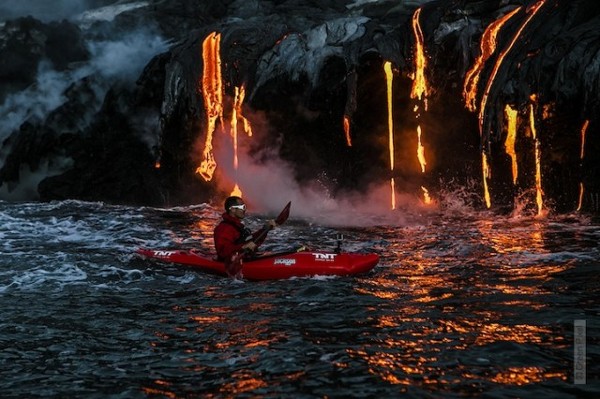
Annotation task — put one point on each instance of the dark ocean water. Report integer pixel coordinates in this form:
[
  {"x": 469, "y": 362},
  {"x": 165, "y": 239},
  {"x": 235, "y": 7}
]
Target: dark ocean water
[{"x": 462, "y": 304}]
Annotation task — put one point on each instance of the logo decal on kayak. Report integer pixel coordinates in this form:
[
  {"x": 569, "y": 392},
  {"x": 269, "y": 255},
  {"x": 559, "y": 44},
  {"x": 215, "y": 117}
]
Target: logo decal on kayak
[
  {"x": 285, "y": 262},
  {"x": 324, "y": 257},
  {"x": 163, "y": 253}
]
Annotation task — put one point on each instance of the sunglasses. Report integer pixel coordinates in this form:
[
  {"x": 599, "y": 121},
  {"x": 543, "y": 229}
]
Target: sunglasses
[{"x": 242, "y": 207}]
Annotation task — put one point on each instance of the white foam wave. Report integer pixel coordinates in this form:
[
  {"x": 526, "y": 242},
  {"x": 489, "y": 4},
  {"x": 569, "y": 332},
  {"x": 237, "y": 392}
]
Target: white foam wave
[{"x": 51, "y": 276}]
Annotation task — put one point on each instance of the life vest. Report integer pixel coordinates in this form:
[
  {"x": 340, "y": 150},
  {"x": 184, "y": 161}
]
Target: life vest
[{"x": 245, "y": 233}]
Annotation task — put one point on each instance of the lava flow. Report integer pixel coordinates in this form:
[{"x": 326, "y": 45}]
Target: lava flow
[
  {"x": 387, "y": 66},
  {"x": 511, "y": 138},
  {"x": 537, "y": 150},
  {"x": 488, "y": 47},
  {"x": 581, "y": 156},
  {"x": 420, "y": 91},
  {"x": 212, "y": 91}
]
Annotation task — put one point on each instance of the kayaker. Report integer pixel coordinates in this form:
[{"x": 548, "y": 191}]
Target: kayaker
[{"x": 232, "y": 237}]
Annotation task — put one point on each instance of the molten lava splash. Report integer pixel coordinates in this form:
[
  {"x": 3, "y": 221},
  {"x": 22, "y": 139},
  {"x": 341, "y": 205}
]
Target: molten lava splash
[
  {"x": 347, "y": 130},
  {"x": 581, "y": 156},
  {"x": 538, "y": 169},
  {"x": 488, "y": 47},
  {"x": 212, "y": 91},
  {"x": 511, "y": 136},
  {"x": 387, "y": 67}
]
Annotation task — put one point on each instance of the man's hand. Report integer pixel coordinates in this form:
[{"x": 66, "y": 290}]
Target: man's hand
[
  {"x": 270, "y": 224},
  {"x": 249, "y": 246}
]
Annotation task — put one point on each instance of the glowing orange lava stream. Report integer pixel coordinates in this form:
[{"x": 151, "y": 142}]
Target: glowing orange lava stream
[
  {"x": 420, "y": 91},
  {"x": 419, "y": 88},
  {"x": 487, "y": 174},
  {"x": 488, "y": 47},
  {"x": 236, "y": 113},
  {"x": 387, "y": 67},
  {"x": 511, "y": 137},
  {"x": 482, "y": 108},
  {"x": 347, "y": 130},
  {"x": 581, "y": 156},
  {"x": 212, "y": 91},
  {"x": 484, "y": 98},
  {"x": 538, "y": 168}
]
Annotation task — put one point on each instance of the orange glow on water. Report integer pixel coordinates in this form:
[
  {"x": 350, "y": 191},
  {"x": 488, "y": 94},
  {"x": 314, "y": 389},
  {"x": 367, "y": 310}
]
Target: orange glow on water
[
  {"x": 511, "y": 136},
  {"x": 162, "y": 392},
  {"x": 487, "y": 46},
  {"x": 244, "y": 381},
  {"x": 524, "y": 375},
  {"x": 435, "y": 320},
  {"x": 520, "y": 333},
  {"x": 212, "y": 92}
]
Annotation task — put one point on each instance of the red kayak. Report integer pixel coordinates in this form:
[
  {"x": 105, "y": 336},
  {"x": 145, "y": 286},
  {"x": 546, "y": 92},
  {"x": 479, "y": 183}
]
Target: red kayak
[{"x": 275, "y": 266}]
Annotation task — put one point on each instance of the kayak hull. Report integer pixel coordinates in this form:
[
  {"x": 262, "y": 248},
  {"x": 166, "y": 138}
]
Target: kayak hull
[{"x": 276, "y": 266}]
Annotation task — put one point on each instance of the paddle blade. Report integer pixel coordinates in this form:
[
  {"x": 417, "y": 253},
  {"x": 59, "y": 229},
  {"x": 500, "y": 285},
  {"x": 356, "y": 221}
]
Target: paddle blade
[{"x": 285, "y": 213}]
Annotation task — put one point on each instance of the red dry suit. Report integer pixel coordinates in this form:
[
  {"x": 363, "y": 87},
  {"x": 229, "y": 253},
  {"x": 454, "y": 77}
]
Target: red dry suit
[{"x": 230, "y": 235}]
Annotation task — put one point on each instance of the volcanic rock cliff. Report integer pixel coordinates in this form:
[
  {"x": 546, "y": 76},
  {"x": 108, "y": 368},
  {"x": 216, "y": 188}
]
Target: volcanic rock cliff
[{"x": 114, "y": 104}]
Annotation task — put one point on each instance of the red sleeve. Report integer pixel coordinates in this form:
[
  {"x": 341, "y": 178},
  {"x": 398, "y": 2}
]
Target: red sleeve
[{"x": 225, "y": 237}]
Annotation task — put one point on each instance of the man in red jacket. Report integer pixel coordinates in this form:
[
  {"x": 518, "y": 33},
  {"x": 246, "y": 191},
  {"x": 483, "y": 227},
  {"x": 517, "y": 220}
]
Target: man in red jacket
[{"x": 231, "y": 237}]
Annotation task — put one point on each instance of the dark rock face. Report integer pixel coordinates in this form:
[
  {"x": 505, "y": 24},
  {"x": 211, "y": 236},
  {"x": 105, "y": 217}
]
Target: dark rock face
[
  {"x": 305, "y": 65},
  {"x": 25, "y": 42}
]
